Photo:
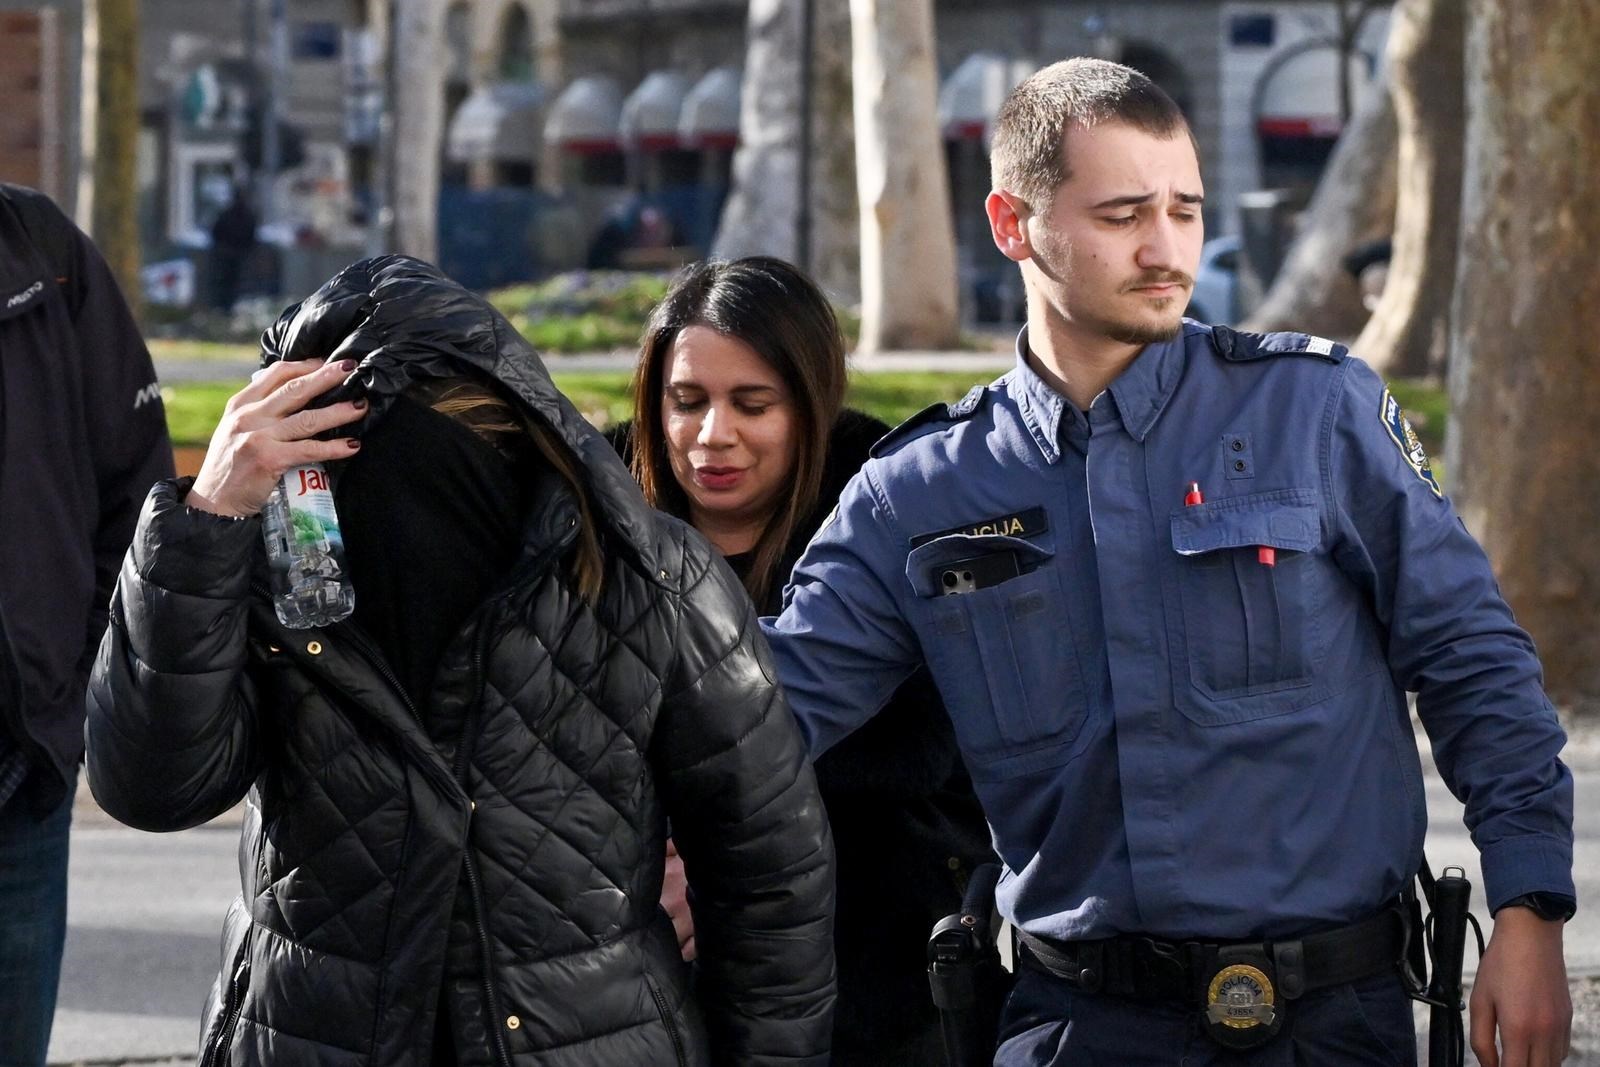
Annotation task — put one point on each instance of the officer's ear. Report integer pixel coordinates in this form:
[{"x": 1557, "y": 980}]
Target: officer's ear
[{"x": 1008, "y": 224}]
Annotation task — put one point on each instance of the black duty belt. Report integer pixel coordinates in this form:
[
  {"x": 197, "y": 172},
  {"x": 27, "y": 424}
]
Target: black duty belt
[{"x": 1241, "y": 987}]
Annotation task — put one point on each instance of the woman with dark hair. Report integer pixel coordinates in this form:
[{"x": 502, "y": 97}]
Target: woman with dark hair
[
  {"x": 458, "y": 799},
  {"x": 739, "y": 428}
]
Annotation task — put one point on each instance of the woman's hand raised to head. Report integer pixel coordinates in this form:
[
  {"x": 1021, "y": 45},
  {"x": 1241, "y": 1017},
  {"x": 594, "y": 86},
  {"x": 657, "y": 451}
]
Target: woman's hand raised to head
[{"x": 266, "y": 428}]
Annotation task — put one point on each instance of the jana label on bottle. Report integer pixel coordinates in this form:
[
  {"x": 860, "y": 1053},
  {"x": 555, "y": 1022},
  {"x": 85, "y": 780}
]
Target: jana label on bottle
[
  {"x": 305, "y": 551},
  {"x": 311, "y": 508}
]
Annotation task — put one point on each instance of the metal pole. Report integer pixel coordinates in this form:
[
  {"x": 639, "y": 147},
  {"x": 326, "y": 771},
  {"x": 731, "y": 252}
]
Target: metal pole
[
  {"x": 271, "y": 149},
  {"x": 380, "y": 226},
  {"x": 1347, "y": 40},
  {"x": 802, "y": 246}
]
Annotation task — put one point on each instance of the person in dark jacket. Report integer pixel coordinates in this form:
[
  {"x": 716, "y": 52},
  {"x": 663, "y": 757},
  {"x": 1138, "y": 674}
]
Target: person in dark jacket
[
  {"x": 458, "y": 799},
  {"x": 82, "y": 438},
  {"x": 233, "y": 238},
  {"x": 739, "y": 428}
]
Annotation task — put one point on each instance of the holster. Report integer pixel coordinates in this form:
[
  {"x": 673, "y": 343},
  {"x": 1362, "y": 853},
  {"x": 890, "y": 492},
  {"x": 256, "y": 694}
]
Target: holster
[{"x": 968, "y": 982}]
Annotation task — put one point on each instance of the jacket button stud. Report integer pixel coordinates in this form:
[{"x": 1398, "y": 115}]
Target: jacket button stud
[
  {"x": 512, "y": 1022},
  {"x": 954, "y": 863},
  {"x": 315, "y": 648},
  {"x": 473, "y": 804},
  {"x": 1238, "y": 445},
  {"x": 1238, "y": 465}
]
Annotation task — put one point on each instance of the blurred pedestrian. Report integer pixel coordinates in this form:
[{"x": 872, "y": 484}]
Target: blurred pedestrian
[
  {"x": 82, "y": 438},
  {"x": 233, "y": 238}
]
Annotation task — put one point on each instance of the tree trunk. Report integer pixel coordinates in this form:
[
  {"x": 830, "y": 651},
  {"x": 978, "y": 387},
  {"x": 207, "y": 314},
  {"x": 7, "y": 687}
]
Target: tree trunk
[
  {"x": 1409, "y": 331},
  {"x": 1523, "y": 450},
  {"x": 418, "y": 126},
  {"x": 1354, "y": 202},
  {"x": 762, "y": 216},
  {"x": 116, "y": 185},
  {"x": 908, "y": 255}
]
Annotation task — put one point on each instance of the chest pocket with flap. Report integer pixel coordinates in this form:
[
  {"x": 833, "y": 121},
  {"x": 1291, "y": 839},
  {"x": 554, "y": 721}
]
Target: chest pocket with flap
[
  {"x": 1247, "y": 625},
  {"x": 1002, "y": 655}
]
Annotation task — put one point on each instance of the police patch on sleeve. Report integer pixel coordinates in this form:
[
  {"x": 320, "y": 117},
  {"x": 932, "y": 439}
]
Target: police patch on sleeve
[{"x": 1405, "y": 438}]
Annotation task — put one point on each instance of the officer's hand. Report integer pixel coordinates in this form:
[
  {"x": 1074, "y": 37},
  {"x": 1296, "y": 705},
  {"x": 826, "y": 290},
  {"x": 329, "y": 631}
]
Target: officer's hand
[
  {"x": 265, "y": 430},
  {"x": 675, "y": 902},
  {"x": 1521, "y": 991}
]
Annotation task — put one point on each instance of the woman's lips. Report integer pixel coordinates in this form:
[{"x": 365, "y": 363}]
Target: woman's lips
[{"x": 718, "y": 477}]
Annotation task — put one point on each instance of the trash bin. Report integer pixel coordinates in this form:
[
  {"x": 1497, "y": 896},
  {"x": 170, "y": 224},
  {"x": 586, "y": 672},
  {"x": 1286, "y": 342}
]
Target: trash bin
[
  {"x": 1267, "y": 226},
  {"x": 305, "y": 267}
]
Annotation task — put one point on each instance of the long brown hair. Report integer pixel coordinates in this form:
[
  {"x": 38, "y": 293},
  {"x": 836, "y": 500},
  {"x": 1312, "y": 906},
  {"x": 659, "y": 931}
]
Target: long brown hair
[
  {"x": 481, "y": 408},
  {"x": 780, "y": 313}
]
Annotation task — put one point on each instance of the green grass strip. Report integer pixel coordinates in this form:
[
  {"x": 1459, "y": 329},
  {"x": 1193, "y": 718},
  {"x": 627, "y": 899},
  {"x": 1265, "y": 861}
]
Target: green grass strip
[
  {"x": 893, "y": 396},
  {"x": 193, "y": 409}
]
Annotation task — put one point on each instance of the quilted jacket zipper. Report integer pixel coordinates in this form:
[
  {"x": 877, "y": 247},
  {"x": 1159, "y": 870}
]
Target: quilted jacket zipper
[
  {"x": 372, "y": 656},
  {"x": 463, "y": 755},
  {"x": 666, "y": 1019},
  {"x": 469, "y": 738},
  {"x": 353, "y": 634},
  {"x": 236, "y": 986}
]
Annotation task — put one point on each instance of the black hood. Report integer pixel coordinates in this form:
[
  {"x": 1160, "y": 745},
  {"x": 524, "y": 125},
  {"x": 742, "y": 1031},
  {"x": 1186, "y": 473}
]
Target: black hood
[{"x": 403, "y": 320}]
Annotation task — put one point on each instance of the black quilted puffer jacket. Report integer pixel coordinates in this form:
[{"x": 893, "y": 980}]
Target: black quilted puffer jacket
[{"x": 506, "y": 847}]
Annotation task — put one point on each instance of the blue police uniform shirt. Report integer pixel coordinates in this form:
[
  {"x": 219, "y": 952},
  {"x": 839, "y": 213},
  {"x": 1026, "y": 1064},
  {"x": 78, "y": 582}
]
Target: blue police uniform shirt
[{"x": 1168, "y": 735}]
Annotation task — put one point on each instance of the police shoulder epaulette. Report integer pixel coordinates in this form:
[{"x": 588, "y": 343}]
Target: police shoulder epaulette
[
  {"x": 1237, "y": 346},
  {"x": 929, "y": 417}
]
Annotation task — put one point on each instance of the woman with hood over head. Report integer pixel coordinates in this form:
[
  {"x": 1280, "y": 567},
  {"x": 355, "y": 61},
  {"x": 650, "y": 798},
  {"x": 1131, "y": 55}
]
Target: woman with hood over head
[{"x": 457, "y": 800}]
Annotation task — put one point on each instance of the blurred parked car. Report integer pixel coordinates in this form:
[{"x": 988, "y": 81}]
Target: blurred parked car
[{"x": 1216, "y": 284}]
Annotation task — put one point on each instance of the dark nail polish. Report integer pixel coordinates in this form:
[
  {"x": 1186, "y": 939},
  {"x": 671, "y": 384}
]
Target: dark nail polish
[
  {"x": 353, "y": 443},
  {"x": 347, "y": 365}
]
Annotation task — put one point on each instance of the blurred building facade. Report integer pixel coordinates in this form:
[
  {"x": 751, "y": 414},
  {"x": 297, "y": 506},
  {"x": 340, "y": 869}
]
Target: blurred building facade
[
  {"x": 610, "y": 104},
  {"x": 539, "y": 127},
  {"x": 41, "y": 49}
]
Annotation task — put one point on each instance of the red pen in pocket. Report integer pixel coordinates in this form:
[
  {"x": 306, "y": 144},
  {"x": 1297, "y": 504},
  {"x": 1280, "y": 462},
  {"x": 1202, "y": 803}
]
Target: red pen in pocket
[{"x": 1266, "y": 555}]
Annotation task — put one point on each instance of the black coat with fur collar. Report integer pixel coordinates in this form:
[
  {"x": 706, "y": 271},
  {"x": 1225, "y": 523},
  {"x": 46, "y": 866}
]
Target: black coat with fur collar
[{"x": 559, "y": 737}]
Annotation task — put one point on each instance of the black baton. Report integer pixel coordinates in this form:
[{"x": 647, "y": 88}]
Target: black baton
[{"x": 1447, "y": 937}]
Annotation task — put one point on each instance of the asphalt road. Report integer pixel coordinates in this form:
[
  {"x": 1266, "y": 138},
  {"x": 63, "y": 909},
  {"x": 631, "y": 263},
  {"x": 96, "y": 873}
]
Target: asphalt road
[
  {"x": 145, "y": 911},
  {"x": 144, "y": 914}
]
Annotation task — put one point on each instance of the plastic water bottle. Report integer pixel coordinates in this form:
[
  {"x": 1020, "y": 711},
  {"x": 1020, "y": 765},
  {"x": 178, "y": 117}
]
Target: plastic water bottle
[{"x": 305, "y": 551}]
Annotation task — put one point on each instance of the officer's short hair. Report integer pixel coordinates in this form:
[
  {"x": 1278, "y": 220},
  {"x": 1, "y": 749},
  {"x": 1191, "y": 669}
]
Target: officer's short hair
[{"x": 1028, "y": 156}]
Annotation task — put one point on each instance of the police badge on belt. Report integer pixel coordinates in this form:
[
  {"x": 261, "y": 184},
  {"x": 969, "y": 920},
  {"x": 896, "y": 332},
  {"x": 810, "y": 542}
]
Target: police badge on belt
[{"x": 1243, "y": 1009}]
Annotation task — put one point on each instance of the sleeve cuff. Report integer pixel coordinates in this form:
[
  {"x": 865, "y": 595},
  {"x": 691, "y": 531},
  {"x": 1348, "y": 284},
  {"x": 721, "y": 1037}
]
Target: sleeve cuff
[
  {"x": 186, "y": 550},
  {"x": 1520, "y": 865}
]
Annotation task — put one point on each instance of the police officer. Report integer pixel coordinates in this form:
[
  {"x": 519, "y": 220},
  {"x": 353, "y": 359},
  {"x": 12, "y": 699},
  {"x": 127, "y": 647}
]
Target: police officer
[{"x": 1174, "y": 582}]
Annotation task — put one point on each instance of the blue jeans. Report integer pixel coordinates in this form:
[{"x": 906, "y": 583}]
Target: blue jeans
[
  {"x": 1047, "y": 1023},
  {"x": 33, "y": 926}
]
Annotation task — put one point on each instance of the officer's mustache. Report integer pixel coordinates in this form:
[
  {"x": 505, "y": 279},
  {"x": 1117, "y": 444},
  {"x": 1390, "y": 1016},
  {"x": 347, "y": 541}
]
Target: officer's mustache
[{"x": 1160, "y": 277}]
